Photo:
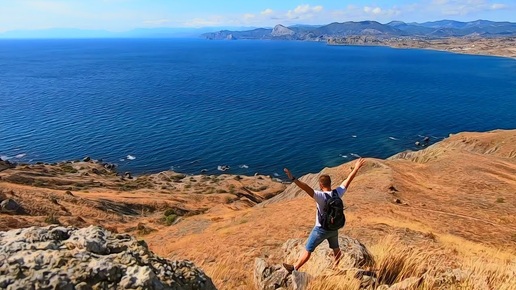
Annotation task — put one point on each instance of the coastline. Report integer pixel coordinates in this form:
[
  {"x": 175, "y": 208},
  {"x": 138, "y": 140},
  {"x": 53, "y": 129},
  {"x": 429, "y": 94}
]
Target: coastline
[{"x": 498, "y": 47}]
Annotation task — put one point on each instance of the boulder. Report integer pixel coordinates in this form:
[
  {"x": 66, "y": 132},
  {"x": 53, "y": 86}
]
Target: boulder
[
  {"x": 271, "y": 277},
  {"x": 86, "y": 159},
  {"x": 354, "y": 254},
  {"x": 4, "y": 164},
  {"x": 9, "y": 206},
  {"x": 57, "y": 257}
]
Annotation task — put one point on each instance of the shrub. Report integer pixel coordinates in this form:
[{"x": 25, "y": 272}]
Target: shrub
[
  {"x": 500, "y": 200},
  {"x": 68, "y": 168},
  {"x": 52, "y": 219},
  {"x": 169, "y": 211},
  {"x": 170, "y": 219}
]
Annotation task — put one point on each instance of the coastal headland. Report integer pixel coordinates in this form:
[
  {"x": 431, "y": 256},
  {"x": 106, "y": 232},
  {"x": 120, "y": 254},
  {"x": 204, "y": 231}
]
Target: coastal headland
[{"x": 473, "y": 37}]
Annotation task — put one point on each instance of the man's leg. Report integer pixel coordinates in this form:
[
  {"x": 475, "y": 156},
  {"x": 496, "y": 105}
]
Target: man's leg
[
  {"x": 337, "y": 253},
  {"x": 305, "y": 256},
  {"x": 313, "y": 241},
  {"x": 334, "y": 245}
]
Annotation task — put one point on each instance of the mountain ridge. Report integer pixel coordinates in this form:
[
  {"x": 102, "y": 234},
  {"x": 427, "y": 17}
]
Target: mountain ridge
[{"x": 434, "y": 29}]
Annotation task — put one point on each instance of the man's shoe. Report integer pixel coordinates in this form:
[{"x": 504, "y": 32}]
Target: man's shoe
[{"x": 288, "y": 267}]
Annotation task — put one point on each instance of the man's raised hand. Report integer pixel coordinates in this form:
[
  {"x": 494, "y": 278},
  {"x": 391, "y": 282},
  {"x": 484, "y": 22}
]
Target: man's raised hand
[
  {"x": 288, "y": 173},
  {"x": 359, "y": 163}
]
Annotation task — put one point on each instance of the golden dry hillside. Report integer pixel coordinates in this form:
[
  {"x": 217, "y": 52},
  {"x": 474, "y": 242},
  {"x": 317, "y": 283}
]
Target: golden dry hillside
[
  {"x": 452, "y": 205},
  {"x": 455, "y": 199}
]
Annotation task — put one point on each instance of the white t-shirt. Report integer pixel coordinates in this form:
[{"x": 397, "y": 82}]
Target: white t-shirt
[{"x": 320, "y": 198}]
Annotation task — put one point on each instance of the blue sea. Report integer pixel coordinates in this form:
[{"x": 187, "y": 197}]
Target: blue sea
[{"x": 256, "y": 106}]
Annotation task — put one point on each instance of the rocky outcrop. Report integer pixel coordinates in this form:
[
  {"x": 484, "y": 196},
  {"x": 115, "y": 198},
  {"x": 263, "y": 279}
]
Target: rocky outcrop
[
  {"x": 280, "y": 30},
  {"x": 354, "y": 255},
  {"x": 10, "y": 206},
  {"x": 4, "y": 164},
  {"x": 270, "y": 277},
  {"x": 58, "y": 257}
]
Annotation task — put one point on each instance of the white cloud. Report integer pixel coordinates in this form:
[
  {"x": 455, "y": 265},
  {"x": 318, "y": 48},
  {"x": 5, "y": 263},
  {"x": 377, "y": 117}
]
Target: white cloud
[
  {"x": 371, "y": 10},
  {"x": 248, "y": 16},
  {"x": 157, "y": 22},
  {"x": 304, "y": 11},
  {"x": 317, "y": 8},
  {"x": 267, "y": 11},
  {"x": 461, "y": 7},
  {"x": 497, "y": 6},
  {"x": 203, "y": 22}
]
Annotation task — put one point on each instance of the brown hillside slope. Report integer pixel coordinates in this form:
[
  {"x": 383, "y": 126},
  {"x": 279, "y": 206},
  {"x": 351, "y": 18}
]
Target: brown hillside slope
[
  {"x": 457, "y": 196},
  {"x": 86, "y": 193}
]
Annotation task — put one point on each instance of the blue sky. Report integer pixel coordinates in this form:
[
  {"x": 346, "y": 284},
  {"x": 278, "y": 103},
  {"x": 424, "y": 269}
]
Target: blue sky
[{"x": 122, "y": 15}]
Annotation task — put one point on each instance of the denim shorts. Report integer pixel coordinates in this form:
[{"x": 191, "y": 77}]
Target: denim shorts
[{"x": 318, "y": 235}]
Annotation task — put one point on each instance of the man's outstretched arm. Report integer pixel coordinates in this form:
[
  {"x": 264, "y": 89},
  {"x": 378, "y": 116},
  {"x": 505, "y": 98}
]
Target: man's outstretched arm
[
  {"x": 360, "y": 162},
  {"x": 299, "y": 183}
]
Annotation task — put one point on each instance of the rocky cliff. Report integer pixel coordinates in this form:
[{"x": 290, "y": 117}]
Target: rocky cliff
[{"x": 57, "y": 257}]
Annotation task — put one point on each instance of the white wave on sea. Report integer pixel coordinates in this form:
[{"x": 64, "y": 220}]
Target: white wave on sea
[
  {"x": 355, "y": 155},
  {"x": 354, "y": 136},
  {"x": 392, "y": 138},
  {"x": 130, "y": 157},
  {"x": 343, "y": 156},
  {"x": 4, "y": 157},
  {"x": 222, "y": 167},
  {"x": 243, "y": 166}
]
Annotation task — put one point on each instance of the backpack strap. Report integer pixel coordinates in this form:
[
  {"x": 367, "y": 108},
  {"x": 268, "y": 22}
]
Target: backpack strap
[{"x": 334, "y": 193}]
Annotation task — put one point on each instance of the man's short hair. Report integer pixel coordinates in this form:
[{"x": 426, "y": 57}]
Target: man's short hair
[{"x": 325, "y": 180}]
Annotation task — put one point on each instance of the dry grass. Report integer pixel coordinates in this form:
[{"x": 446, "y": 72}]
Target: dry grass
[{"x": 395, "y": 264}]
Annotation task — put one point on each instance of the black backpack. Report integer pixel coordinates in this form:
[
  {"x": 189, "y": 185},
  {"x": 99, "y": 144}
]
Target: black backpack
[{"x": 333, "y": 218}]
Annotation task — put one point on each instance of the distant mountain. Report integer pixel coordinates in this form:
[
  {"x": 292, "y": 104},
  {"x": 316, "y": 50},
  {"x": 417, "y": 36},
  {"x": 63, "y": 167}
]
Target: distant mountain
[
  {"x": 162, "y": 32},
  {"x": 57, "y": 33},
  {"x": 435, "y": 29}
]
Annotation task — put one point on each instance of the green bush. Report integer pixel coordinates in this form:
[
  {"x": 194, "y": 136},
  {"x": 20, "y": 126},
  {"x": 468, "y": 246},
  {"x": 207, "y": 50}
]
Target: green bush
[
  {"x": 169, "y": 211},
  {"x": 52, "y": 219},
  {"x": 170, "y": 219}
]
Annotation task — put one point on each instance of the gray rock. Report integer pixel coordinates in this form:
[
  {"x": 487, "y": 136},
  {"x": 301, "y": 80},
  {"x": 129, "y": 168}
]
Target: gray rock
[
  {"x": 280, "y": 30},
  {"x": 267, "y": 277},
  {"x": 275, "y": 277},
  {"x": 9, "y": 206},
  {"x": 56, "y": 257},
  {"x": 300, "y": 280},
  {"x": 86, "y": 159},
  {"x": 354, "y": 253}
]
